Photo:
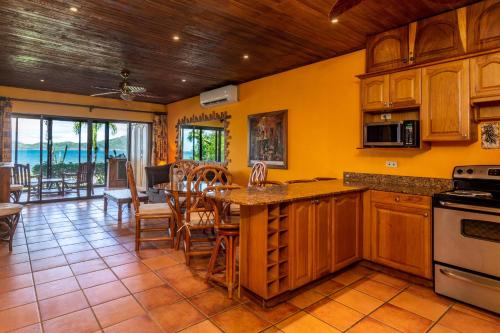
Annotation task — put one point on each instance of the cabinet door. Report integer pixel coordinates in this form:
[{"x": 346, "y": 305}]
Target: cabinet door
[
  {"x": 322, "y": 237},
  {"x": 301, "y": 243},
  {"x": 375, "y": 93},
  {"x": 438, "y": 37},
  {"x": 347, "y": 233},
  {"x": 445, "y": 111},
  {"x": 485, "y": 76},
  {"x": 483, "y": 25},
  {"x": 405, "y": 88},
  {"x": 401, "y": 238},
  {"x": 387, "y": 50}
]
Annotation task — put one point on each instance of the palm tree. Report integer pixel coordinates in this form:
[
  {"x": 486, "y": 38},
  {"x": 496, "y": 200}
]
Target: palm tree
[{"x": 77, "y": 127}]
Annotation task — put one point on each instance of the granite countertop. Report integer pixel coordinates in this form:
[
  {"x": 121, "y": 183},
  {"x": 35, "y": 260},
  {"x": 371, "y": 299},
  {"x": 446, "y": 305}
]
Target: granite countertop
[
  {"x": 254, "y": 196},
  {"x": 401, "y": 184}
]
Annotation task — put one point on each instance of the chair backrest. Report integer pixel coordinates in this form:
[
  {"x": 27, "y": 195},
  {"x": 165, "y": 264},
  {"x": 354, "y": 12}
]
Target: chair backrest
[
  {"x": 179, "y": 170},
  {"x": 21, "y": 174},
  {"x": 84, "y": 170},
  {"x": 221, "y": 210},
  {"x": 197, "y": 181},
  {"x": 297, "y": 181},
  {"x": 132, "y": 187},
  {"x": 258, "y": 174}
]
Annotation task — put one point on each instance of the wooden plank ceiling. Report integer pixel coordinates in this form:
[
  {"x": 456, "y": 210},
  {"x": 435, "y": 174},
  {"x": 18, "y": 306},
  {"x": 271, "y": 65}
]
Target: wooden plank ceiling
[{"x": 71, "y": 52}]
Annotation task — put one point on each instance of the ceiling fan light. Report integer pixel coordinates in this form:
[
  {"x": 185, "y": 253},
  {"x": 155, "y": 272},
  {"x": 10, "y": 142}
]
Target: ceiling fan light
[
  {"x": 334, "y": 20},
  {"x": 127, "y": 97}
]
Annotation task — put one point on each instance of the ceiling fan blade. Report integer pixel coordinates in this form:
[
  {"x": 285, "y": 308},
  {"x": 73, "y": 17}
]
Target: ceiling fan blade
[
  {"x": 148, "y": 96},
  {"x": 105, "y": 88},
  {"x": 136, "y": 89},
  {"x": 105, "y": 93},
  {"x": 341, "y": 6}
]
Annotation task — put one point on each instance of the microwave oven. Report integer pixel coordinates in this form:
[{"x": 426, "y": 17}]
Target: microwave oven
[{"x": 392, "y": 134}]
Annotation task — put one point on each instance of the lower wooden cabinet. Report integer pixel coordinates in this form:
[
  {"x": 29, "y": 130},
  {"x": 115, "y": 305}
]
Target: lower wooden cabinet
[
  {"x": 347, "y": 230},
  {"x": 401, "y": 232},
  {"x": 301, "y": 242},
  {"x": 322, "y": 237}
]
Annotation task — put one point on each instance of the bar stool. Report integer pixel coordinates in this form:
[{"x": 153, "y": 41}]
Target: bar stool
[
  {"x": 227, "y": 229},
  {"x": 9, "y": 217}
]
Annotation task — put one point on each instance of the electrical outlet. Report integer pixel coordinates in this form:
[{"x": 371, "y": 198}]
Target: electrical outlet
[
  {"x": 391, "y": 164},
  {"x": 386, "y": 116}
]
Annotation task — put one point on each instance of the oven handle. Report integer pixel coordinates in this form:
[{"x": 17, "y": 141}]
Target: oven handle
[
  {"x": 476, "y": 281},
  {"x": 471, "y": 207}
]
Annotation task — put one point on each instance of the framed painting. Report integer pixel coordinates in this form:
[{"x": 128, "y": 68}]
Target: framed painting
[{"x": 268, "y": 139}]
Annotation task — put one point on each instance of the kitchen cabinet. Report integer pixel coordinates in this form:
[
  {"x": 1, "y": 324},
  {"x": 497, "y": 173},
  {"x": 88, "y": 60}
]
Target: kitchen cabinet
[
  {"x": 401, "y": 232},
  {"x": 301, "y": 242},
  {"x": 391, "y": 91},
  {"x": 485, "y": 77},
  {"x": 405, "y": 88},
  {"x": 347, "y": 230},
  {"x": 387, "y": 50},
  {"x": 375, "y": 93},
  {"x": 440, "y": 36},
  {"x": 483, "y": 25},
  {"x": 445, "y": 111},
  {"x": 322, "y": 237}
]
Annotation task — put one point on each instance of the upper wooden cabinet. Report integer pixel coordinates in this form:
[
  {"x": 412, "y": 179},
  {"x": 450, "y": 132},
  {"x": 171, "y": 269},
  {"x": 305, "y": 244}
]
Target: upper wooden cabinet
[
  {"x": 375, "y": 93},
  {"x": 483, "y": 25},
  {"x": 387, "y": 50},
  {"x": 347, "y": 230},
  {"x": 405, "y": 88},
  {"x": 445, "y": 111},
  {"x": 440, "y": 36},
  {"x": 391, "y": 91},
  {"x": 485, "y": 77}
]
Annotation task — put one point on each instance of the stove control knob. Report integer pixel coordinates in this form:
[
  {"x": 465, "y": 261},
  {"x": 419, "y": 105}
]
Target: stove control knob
[
  {"x": 470, "y": 171},
  {"x": 460, "y": 171}
]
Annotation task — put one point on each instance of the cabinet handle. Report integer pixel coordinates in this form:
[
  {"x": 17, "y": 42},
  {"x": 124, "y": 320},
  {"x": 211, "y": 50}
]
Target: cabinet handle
[
  {"x": 426, "y": 214},
  {"x": 404, "y": 60},
  {"x": 397, "y": 199}
]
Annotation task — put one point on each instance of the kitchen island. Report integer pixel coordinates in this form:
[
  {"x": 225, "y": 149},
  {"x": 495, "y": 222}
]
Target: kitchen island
[{"x": 292, "y": 235}]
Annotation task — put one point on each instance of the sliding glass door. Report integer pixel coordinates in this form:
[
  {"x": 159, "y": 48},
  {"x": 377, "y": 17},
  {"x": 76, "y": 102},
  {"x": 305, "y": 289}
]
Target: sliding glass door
[{"x": 68, "y": 158}]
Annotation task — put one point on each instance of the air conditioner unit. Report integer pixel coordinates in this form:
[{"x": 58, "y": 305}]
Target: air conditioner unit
[{"x": 219, "y": 96}]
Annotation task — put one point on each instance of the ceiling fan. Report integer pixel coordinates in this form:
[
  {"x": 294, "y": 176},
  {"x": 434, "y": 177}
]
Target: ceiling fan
[
  {"x": 127, "y": 91},
  {"x": 341, "y": 6}
]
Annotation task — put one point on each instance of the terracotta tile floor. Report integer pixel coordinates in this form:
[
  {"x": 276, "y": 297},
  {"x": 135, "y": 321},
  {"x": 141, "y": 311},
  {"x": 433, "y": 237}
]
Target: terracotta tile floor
[{"x": 74, "y": 269}]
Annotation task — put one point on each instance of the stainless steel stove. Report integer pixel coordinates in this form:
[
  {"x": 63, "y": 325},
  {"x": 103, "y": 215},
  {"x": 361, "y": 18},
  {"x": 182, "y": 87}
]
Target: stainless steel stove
[{"x": 467, "y": 237}]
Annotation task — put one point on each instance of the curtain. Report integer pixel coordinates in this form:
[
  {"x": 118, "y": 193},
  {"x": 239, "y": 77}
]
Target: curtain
[
  {"x": 5, "y": 130},
  {"x": 160, "y": 148},
  {"x": 139, "y": 152}
]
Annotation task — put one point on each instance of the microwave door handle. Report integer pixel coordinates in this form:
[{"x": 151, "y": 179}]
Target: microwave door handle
[{"x": 470, "y": 279}]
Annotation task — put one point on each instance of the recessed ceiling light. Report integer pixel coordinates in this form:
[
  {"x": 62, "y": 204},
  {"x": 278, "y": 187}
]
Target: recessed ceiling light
[
  {"x": 73, "y": 9},
  {"x": 334, "y": 20},
  {"x": 246, "y": 56},
  {"x": 183, "y": 80},
  {"x": 42, "y": 80},
  {"x": 176, "y": 38}
]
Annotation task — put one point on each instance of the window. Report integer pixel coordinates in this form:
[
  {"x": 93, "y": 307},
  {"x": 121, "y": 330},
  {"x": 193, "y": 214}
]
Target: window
[{"x": 202, "y": 143}]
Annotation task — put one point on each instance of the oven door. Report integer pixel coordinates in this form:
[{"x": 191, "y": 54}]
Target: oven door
[{"x": 466, "y": 239}]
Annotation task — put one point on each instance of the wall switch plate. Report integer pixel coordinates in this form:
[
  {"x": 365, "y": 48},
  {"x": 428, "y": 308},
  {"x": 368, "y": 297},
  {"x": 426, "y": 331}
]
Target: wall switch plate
[
  {"x": 385, "y": 116},
  {"x": 391, "y": 164}
]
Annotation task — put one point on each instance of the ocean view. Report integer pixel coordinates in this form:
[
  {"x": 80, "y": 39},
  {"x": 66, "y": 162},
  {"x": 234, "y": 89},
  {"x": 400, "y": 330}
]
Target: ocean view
[{"x": 32, "y": 156}]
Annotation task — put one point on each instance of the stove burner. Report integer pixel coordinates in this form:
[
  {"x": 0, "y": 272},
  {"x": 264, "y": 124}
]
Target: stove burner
[{"x": 470, "y": 194}]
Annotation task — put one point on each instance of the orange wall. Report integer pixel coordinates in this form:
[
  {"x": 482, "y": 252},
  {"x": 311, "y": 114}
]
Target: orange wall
[
  {"x": 76, "y": 111},
  {"x": 323, "y": 126}
]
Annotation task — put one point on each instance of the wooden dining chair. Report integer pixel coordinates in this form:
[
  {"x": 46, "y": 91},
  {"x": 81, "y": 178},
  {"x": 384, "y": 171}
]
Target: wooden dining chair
[
  {"x": 258, "y": 174},
  {"x": 198, "y": 223},
  {"x": 180, "y": 169},
  {"x": 21, "y": 175},
  {"x": 227, "y": 229},
  {"x": 152, "y": 212}
]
